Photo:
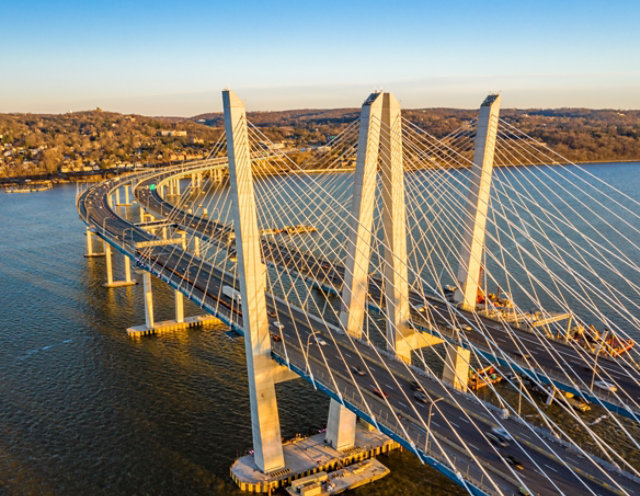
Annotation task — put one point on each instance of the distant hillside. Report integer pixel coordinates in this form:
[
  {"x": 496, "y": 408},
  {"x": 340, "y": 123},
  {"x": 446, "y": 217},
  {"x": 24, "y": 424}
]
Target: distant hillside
[
  {"x": 578, "y": 134},
  {"x": 42, "y": 143},
  {"x": 32, "y": 144}
]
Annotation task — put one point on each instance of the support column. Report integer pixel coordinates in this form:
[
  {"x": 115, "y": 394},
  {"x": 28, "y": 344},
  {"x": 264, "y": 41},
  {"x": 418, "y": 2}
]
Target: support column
[
  {"x": 478, "y": 203},
  {"x": 179, "y": 306},
  {"x": 127, "y": 270},
  {"x": 341, "y": 427},
  {"x": 90, "y": 253},
  {"x": 126, "y": 194},
  {"x": 395, "y": 273},
  {"x": 109, "y": 269},
  {"x": 205, "y": 212},
  {"x": 177, "y": 186},
  {"x": 108, "y": 264},
  {"x": 456, "y": 367},
  {"x": 117, "y": 198},
  {"x": 89, "y": 235},
  {"x": 356, "y": 282},
  {"x": 148, "y": 300},
  {"x": 265, "y": 421},
  {"x": 196, "y": 246}
]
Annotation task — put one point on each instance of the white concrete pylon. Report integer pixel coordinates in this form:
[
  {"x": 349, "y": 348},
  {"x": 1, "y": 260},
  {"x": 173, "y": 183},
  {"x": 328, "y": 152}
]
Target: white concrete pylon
[
  {"x": 395, "y": 273},
  {"x": 478, "y": 203},
  {"x": 341, "y": 423},
  {"x": 265, "y": 421},
  {"x": 356, "y": 280}
]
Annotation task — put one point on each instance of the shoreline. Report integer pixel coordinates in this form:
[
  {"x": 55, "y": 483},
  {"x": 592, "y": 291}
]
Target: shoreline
[{"x": 7, "y": 183}]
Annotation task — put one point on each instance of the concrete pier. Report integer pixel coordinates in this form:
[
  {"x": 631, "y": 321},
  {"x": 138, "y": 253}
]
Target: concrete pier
[
  {"x": 90, "y": 253},
  {"x": 165, "y": 326},
  {"x": 179, "y": 307},
  {"x": 109, "y": 269},
  {"x": 308, "y": 455}
]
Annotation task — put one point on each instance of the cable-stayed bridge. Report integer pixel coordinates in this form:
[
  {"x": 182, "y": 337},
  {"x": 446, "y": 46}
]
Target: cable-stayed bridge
[{"x": 339, "y": 279}]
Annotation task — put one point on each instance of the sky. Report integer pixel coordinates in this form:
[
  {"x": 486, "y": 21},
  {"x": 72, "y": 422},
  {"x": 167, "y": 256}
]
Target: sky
[{"x": 174, "y": 58}]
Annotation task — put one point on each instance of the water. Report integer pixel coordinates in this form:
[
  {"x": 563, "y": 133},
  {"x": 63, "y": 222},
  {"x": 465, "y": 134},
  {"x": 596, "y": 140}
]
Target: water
[{"x": 86, "y": 410}]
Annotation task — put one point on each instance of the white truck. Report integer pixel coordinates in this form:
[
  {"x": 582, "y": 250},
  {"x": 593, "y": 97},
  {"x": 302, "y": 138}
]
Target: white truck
[{"x": 232, "y": 293}]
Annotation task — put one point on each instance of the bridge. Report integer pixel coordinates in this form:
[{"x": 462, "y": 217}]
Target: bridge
[{"x": 341, "y": 279}]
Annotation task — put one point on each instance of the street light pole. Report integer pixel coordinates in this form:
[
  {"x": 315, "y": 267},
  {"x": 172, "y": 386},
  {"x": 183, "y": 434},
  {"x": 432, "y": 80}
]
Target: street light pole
[
  {"x": 426, "y": 442},
  {"x": 309, "y": 342}
]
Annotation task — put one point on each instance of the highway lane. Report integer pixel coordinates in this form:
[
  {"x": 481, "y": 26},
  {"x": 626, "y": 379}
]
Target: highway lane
[
  {"x": 466, "y": 418},
  {"x": 206, "y": 281},
  {"x": 566, "y": 365}
]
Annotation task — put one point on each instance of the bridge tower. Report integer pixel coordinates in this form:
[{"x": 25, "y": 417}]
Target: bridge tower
[
  {"x": 265, "y": 422},
  {"x": 478, "y": 203},
  {"x": 379, "y": 141},
  {"x": 456, "y": 369}
]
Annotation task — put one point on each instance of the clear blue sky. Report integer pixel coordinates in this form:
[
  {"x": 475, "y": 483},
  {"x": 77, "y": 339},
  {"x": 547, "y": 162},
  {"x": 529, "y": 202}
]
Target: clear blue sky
[{"x": 173, "y": 58}]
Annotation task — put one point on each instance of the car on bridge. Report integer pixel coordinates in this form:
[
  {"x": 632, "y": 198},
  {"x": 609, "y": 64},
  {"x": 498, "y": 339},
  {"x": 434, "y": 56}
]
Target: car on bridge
[
  {"x": 511, "y": 460},
  {"x": 357, "y": 370},
  {"x": 497, "y": 440},
  {"x": 421, "y": 397},
  {"x": 379, "y": 392},
  {"x": 502, "y": 433}
]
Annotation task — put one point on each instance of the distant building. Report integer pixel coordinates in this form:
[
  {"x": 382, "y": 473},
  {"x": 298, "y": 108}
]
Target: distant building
[{"x": 165, "y": 133}]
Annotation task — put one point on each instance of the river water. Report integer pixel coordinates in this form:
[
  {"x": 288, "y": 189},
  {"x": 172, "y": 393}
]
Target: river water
[{"x": 86, "y": 410}]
